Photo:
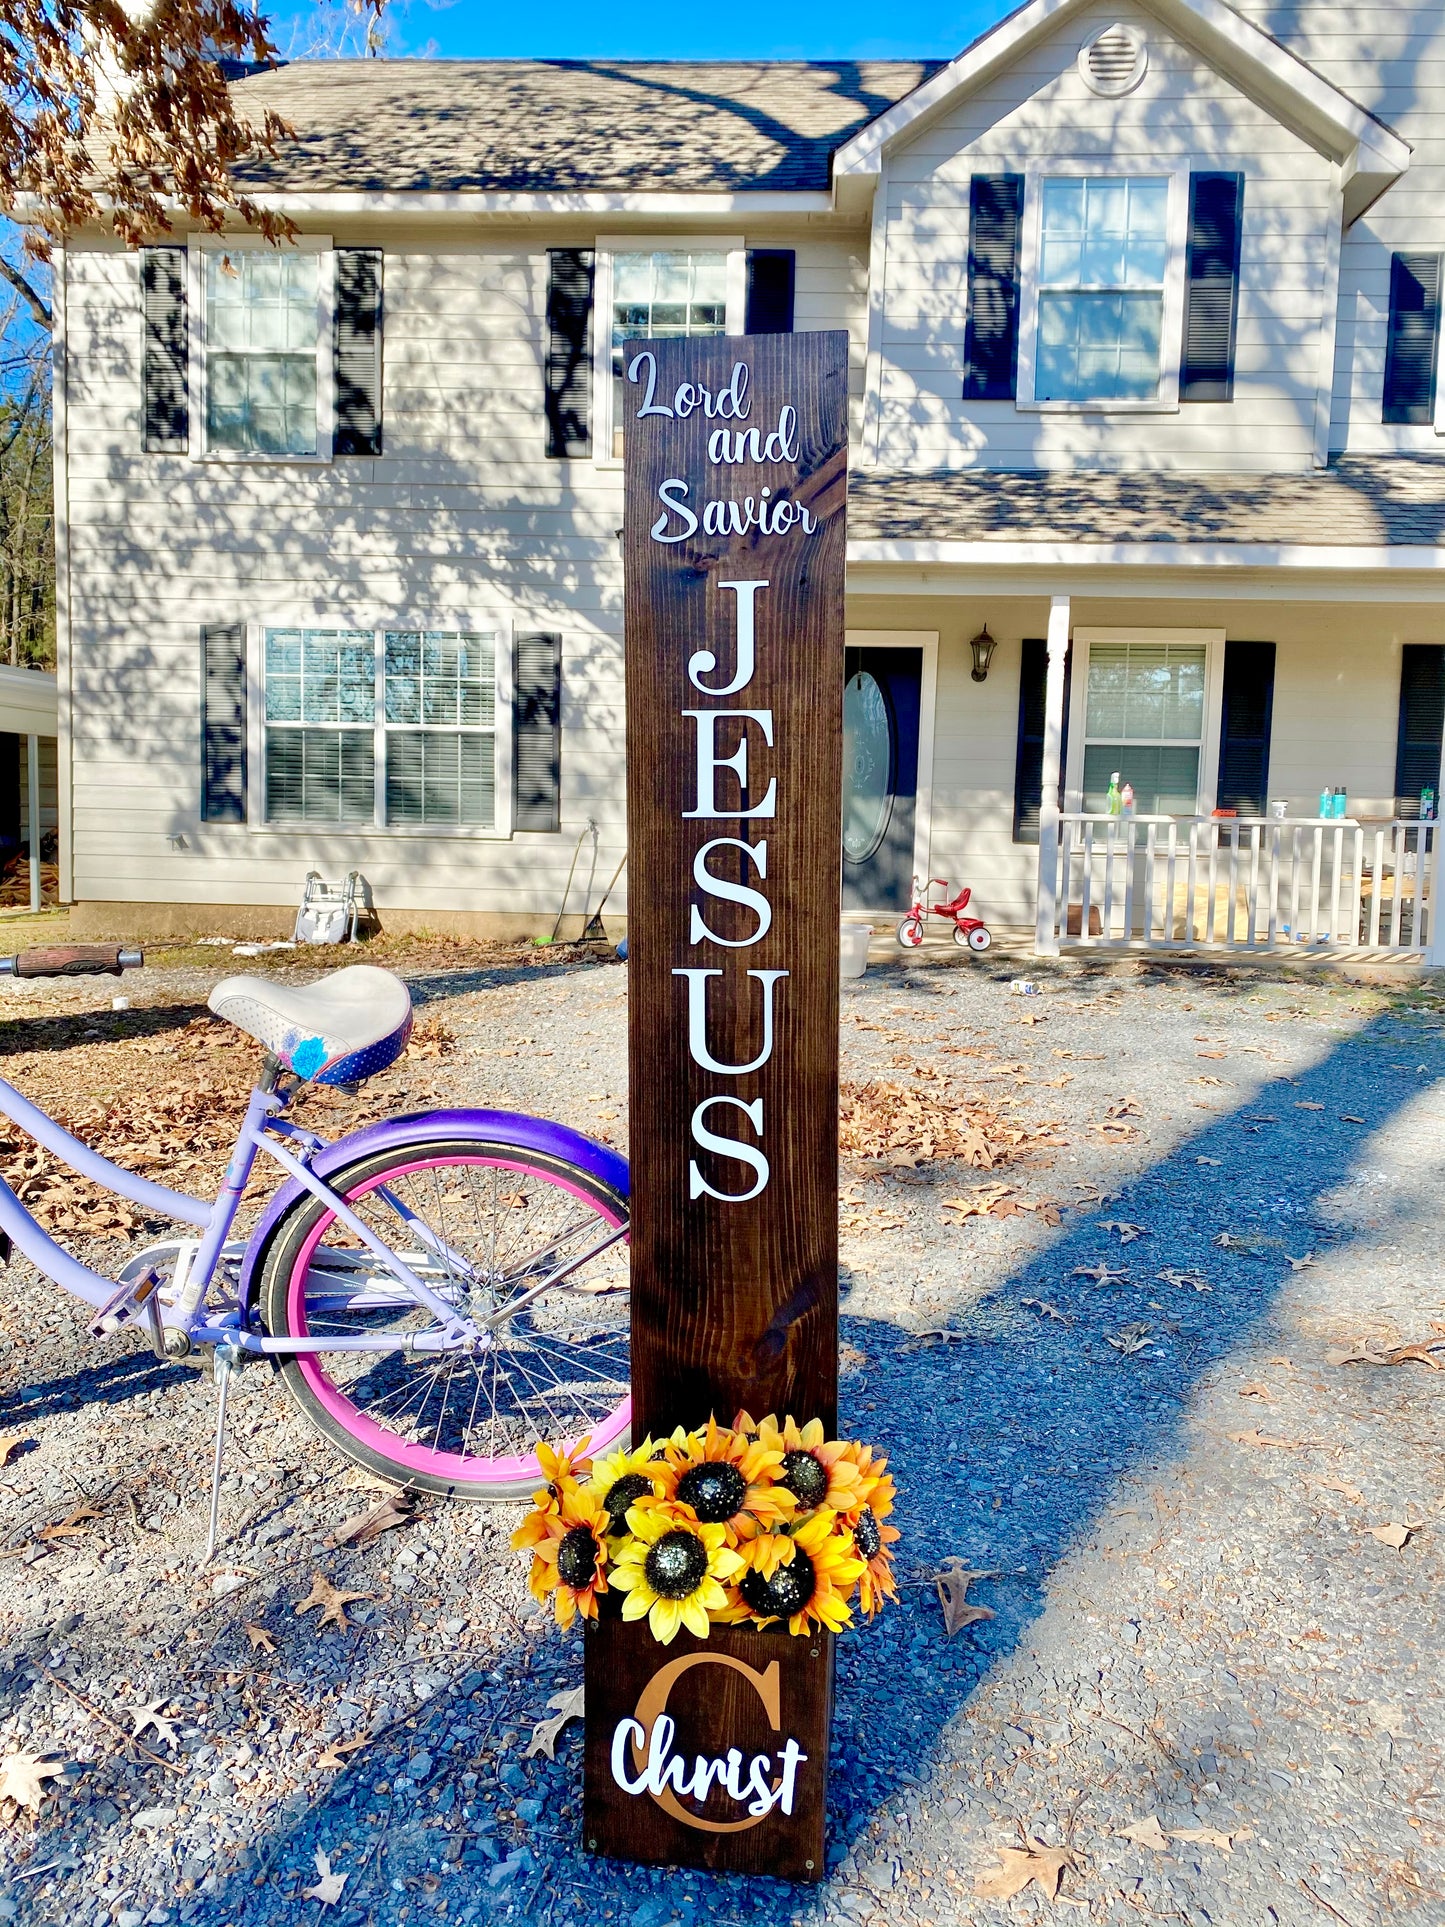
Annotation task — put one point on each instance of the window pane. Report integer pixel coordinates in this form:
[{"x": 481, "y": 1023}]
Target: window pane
[
  {"x": 1165, "y": 780},
  {"x": 261, "y": 314},
  {"x": 319, "y": 776},
  {"x": 440, "y": 777},
  {"x": 669, "y": 293},
  {"x": 1098, "y": 347},
  {"x": 440, "y": 676},
  {"x": 1139, "y": 696},
  {"x": 320, "y": 675}
]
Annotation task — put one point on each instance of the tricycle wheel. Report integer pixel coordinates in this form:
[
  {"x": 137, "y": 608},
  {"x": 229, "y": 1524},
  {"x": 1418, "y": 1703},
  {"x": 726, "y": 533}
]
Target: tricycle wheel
[
  {"x": 910, "y": 933},
  {"x": 979, "y": 938}
]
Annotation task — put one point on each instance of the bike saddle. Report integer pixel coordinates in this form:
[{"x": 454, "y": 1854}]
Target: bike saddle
[{"x": 345, "y": 1027}]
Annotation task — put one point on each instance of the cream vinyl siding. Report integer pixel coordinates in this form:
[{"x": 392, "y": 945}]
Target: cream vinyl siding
[
  {"x": 1336, "y": 710},
  {"x": 1040, "y": 118},
  {"x": 1392, "y": 60},
  {"x": 463, "y": 514}
]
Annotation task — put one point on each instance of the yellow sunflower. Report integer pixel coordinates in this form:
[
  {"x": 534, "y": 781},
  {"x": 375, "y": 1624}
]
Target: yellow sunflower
[
  {"x": 811, "y": 1586},
  {"x": 622, "y": 1478},
  {"x": 672, "y": 1569},
  {"x": 872, "y": 1472},
  {"x": 570, "y": 1560},
  {"x": 727, "y": 1480},
  {"x": 817, "y": 1471},
  {"x": 873, "y": 1541}
]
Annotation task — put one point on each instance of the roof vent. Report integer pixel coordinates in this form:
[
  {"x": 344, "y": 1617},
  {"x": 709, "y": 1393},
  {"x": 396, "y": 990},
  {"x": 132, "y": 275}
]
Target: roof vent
[{"x": 1114, "y": 62}]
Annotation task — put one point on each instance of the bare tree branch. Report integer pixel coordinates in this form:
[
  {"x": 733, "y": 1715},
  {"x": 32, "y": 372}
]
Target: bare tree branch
[{"x": 28, "y": 295}]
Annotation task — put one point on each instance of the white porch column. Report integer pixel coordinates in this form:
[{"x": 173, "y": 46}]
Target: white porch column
[
  {"x": 32, "y": 770},
  {"x": 1046, "y": 935}
]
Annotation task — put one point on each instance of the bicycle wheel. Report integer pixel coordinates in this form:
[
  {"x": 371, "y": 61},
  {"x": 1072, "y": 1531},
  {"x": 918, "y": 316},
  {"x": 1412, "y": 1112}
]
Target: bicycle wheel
[{"x": 531, "y": 1247}]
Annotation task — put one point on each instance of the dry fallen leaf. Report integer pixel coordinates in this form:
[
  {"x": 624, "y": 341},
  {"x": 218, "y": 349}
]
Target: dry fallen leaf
[
  {"x": 1127, "y": 1232},
  {"x": 261, "y": 1640},
  {"x": 72, "y": 1525},
  {"x": 1263, "y": 1438},
  {"x": 568, "y": 1706},
  {"x": 1422, "y": 1352},
  {"x": 1195, "y": 1280},
  {"x": 332, "y": 1601},
  {"x": 1396, "y": 1534},
  {"x": 953, "y": 1580},
  {"x": 21, "y": 1777},
  {"x": 1343, "y": 1486},
  {"x": 1348, "y": 1117},
  {"x": 1254, "y": 1391},
  {"x": 1307, "y": 1263},
  {"x": 1215, "y": 1161},
  {"x": 329, "y": 1885},
  {"x": 151, "y": 1716},
  {"x": 1204, "y": 1837},
  {"x": 10, "y": 1443},
  {"x": 335, "y": 1755},
  {"x": 397, "y": 1509},
  {"x": 1304, "y": 1104},
  {"x": 1145, "y": 1833},
  {"x": 1101, "y": 1274},
  {"x": 1133, "y": 1338},
  {"x": 1044, "y": 1309},
  {"x": 1043, "y": 1865}
]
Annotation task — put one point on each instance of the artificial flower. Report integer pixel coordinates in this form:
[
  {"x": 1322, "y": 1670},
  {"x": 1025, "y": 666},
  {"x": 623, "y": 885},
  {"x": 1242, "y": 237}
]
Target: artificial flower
[
  {"x": 622, "y": 1478},
  {"x": 815, "y": 1470},
  {"x": 811, "y": 1586},
  {"x": 672, "y": 1569},
  {"x": 728, "y": 1480},
  {"x": 569, "y": 1561}
]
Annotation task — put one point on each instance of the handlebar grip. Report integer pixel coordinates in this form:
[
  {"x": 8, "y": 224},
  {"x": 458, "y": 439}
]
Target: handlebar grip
[{"x": 72, "y": 960}]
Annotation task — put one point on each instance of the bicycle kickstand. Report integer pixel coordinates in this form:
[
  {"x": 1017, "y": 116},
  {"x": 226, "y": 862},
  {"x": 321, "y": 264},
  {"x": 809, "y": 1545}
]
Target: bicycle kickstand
[{"x": 225, "y": 1363}]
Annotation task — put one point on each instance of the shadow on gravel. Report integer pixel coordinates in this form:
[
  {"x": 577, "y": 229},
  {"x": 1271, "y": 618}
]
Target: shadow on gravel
[
  {"x": 1006, "y": 1444},
  {"x": 443, "y": 985},
  {"x": 109, "y": 1384},
  {"x": 70, "y": 1030}
]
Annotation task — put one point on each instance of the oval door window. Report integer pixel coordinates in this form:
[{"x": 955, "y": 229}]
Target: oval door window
[{"x": 868, "y": 760}]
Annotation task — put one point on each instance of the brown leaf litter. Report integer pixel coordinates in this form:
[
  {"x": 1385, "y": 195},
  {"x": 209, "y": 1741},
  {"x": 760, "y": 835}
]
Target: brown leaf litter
[{"x": 885, "y": 1122}]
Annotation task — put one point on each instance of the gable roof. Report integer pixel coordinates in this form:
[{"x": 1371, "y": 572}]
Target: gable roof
[
  {"x": 1370, "y": 154},
  {"x": 448, "y": 126}
]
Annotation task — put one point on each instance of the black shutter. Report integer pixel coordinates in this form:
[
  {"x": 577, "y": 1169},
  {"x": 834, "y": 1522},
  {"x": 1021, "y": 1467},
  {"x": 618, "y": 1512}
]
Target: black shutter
[
  {"x": 1029, "y": 761},
  {"x": 356, "y": 351},
  {"x": 991, "y": 339},
  {"x": 568, "y": 371},
  {"x": 1211, "y": 291},
  {"x": 165, "y": 351},
  {"x": 1412, "y": 345},
  {"x": 223, "y": 723},
  {"x": 1422, "y": 726},
  {"x": 771, "y": 275},
  {"x": 537, "y": 733},
  {"x": 1244, "y": 729}
]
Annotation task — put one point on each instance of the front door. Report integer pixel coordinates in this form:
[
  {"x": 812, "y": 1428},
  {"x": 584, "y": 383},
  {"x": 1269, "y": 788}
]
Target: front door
[{"x": 881, "y": 703}]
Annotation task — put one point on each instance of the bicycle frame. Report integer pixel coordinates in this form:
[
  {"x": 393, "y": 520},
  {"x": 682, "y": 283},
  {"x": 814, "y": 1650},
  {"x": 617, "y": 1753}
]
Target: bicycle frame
[{"x": 186, "y": 1318}]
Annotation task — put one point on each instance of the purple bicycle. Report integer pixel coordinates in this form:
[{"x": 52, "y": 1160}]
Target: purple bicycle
[{"x": 438, "y": 1291}]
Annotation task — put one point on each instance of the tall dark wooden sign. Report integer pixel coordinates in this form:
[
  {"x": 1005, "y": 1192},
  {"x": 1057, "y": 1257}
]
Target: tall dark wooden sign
[{"x": 736, "y": 475}]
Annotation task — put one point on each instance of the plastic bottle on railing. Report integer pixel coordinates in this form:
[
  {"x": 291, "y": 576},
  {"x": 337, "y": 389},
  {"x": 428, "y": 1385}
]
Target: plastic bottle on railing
[
  {"x": 1126, "y": 800},
  {"x": 1327, "y": 803},
  {"x": 1427, "y": 805},
  {"x": 1113, "y": 802}
]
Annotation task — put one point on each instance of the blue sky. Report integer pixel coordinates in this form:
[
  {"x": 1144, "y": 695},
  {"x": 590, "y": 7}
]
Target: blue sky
[{"x": 795, "y": 29}]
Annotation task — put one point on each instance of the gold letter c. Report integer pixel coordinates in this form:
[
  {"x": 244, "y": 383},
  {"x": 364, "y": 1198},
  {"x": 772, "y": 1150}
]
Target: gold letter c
[{"x": 653, "y": 1700}]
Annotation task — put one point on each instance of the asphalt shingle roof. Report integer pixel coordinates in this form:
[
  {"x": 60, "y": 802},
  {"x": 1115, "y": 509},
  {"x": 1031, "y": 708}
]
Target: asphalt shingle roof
[
  {"x": 442, "y": 126},
  {"x": 1358, "y": 502}
]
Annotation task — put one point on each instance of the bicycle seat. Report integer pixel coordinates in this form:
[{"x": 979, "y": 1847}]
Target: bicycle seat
[{"x": 338, "y": 1030}]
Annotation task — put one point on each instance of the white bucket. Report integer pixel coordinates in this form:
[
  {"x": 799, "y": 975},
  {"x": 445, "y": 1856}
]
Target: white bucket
[{"x": 853, "y": 948}]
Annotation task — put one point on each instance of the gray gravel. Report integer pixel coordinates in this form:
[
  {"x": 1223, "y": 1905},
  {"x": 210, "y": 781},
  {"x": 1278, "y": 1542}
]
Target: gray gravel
[{"x": 1188, "y": 1626}]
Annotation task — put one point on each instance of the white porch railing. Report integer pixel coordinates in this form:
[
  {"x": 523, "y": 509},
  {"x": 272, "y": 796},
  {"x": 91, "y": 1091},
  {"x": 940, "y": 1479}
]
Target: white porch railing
[{"x": 1250, "y": 884}]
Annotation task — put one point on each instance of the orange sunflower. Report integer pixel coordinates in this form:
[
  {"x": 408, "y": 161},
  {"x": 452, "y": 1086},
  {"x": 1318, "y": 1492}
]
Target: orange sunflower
[
  {"x": 810, "y": 1587},
  {"x": 873, "y": 1541},
  {"x": 570, "y": 1556},
  {"x": 818, "y": 1472},
  {"x": 727, "y": 1480}
]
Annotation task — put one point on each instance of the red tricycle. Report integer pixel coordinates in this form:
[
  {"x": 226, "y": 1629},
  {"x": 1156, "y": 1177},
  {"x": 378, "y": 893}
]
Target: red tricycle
[{"x": 968, "y": 932}]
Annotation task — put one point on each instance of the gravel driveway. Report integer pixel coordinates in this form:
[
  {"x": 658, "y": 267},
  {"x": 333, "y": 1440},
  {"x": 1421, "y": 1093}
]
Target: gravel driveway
[{"x": 1104, "y": 1380}]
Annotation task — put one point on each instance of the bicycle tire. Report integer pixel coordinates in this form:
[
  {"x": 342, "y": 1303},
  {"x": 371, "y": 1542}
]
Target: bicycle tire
[{"x": 325, "y": 1386}]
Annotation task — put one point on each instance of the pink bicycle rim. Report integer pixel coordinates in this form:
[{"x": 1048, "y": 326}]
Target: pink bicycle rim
[{"x": 421, "y": 1458}]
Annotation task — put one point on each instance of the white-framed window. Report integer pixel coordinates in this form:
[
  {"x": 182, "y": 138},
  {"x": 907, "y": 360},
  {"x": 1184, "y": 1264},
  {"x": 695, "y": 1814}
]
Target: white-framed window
[
  {"x": 396, "y": 728},
  {"x": 1103, "y": 291},
  {"x": 261, "y": 354},
  {"x": 649, "y": 286},
  {"x": 1151, "y": 713}
]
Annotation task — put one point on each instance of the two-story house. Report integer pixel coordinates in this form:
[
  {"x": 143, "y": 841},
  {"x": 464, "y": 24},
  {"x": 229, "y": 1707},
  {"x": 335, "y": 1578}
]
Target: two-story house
[{"x": 1146, "y": 597}]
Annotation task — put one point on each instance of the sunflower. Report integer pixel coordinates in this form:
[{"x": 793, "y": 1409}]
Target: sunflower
[
  {"x": 621, "y": 1479},
  {"x": 873, "y": 1477},
  {"x": 570, "y": 1558},
  {"x": 564, "y": 1464},
  {"x": 818, "y": 1472},
  {"x": 727, "y": 1480},
  {"x": 811, "y": 1586},
  {"x": 872, "y": 1540},
  {"x": 671, "y": 1569}
]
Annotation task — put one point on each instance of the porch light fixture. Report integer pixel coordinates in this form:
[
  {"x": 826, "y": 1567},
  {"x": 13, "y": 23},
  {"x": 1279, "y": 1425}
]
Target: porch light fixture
[{"x": 983, "y": 646}]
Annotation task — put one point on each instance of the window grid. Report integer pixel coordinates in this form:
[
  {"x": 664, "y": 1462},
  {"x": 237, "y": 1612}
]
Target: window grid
[
  {"x": 1103, "y": 257},
  {"x": 391, "y": 727},
  {"x": 663, "y": 293},
  {"x": 1144, "y": 717},
  {"x": 262, "y": 326}
]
